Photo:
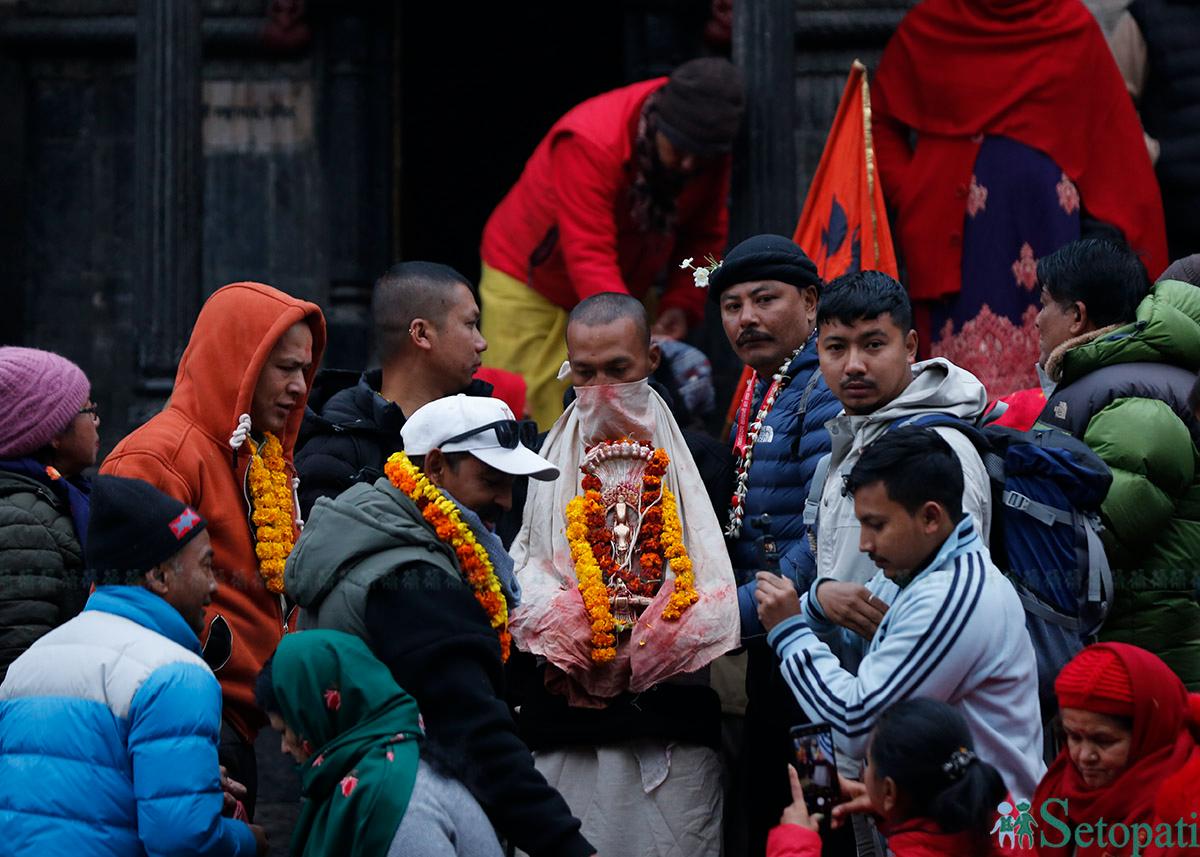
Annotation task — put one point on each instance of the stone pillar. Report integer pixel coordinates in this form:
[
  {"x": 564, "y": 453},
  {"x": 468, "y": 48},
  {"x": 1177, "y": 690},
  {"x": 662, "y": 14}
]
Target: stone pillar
[
  {"x": 358, "y": 146},
  {"x": 168, "y": 189},
  {"x": 765, "y": 195}
]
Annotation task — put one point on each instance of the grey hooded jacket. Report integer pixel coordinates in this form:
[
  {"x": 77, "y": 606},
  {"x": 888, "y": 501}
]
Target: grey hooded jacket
[{"x": 937, "y": 386}]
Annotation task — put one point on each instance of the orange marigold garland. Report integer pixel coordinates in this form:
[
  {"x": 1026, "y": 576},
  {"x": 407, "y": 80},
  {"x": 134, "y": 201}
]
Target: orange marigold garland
[
  {"x": 273, "y": 509},
  {"x": 685, "y": 594},
  {"x": 660, "y": 541},
  {"x": 650, "y": 556},
  {"x": 591, "y": 579},
  {"x": 441, "y": 514}
]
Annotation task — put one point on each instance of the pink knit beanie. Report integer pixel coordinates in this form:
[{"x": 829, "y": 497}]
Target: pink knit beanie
[{"x": 40, "y": 394}]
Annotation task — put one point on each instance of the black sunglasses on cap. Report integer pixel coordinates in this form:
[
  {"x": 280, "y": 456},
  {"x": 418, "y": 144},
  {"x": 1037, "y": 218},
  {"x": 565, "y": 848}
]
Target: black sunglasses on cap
[{"x": 509, "y": 433}]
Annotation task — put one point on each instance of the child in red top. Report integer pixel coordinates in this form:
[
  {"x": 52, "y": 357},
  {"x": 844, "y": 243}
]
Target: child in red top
[{"x": 922, "y": 778}]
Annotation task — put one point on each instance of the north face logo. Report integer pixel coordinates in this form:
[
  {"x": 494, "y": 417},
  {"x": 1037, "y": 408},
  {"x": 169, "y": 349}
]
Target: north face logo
[{"x": 1060, "y": 411}]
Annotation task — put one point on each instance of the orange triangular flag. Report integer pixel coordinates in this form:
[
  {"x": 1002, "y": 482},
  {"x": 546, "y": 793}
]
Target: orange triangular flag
[{"x": 844, "y": 225}]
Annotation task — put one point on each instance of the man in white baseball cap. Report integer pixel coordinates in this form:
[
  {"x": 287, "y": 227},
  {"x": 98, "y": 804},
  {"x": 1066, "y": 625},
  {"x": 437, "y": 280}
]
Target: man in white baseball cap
[
  {"x": 472, "y": 447},
  {"x": 387, "y": 562}
]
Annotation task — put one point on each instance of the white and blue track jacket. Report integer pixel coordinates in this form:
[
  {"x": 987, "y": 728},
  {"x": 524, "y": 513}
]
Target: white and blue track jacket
[{"x": 955, "y": 633}]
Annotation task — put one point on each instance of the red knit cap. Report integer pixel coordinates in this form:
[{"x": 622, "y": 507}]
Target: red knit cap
[{"x": 1096, "y": 680}]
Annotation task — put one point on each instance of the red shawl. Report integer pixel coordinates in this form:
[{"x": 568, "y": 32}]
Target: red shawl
[
  {"x": 1164, "y": 760},
  {"x": 1036, "y": 71}
]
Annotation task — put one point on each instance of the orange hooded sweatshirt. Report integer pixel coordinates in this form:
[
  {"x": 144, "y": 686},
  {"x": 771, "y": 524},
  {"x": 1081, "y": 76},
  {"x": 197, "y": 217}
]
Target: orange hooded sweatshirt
[{"x": 184, "y": 451}]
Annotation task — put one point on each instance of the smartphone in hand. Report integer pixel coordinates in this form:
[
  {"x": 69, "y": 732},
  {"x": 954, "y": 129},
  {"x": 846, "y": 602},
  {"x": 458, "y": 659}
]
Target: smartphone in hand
[{"x": 816, "y": 763}]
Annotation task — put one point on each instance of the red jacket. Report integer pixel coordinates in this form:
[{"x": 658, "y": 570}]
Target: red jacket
[
  {"x": 565, "y": 228},
  {"x": 184, "y": 451},
  {"x": 916, "y": 838}
]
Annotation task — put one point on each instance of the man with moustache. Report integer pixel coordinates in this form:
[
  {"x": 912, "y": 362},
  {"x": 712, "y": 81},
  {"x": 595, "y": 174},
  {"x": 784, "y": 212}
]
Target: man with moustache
[{"x": 768, "y": 290}]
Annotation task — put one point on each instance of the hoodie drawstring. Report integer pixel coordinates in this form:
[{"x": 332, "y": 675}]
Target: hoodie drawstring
[
  {"x": 239, "y": 437},
  {"x": 296, "y": 501}
]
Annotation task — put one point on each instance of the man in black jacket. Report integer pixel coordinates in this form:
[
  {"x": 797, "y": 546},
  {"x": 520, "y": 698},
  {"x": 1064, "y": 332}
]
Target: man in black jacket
[{"x": 427, "y": 334}]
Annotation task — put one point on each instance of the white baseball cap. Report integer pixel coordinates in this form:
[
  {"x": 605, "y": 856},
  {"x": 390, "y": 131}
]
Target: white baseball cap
[{"x": 482, "y": 426}]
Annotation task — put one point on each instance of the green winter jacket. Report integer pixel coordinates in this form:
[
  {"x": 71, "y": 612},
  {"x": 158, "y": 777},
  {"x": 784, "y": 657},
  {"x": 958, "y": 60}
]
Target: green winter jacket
[
  {"x": 1124, "y": 391},
  {"x": 41, "y": 565}
]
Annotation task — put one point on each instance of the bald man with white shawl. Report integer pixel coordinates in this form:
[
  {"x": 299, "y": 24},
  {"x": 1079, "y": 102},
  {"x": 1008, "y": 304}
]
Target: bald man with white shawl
[{"x": 679, "y": 808}]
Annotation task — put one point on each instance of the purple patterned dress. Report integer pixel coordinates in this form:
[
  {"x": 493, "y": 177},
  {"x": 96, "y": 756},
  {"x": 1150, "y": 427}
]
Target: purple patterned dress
[{"x": 1020, "y": 207}]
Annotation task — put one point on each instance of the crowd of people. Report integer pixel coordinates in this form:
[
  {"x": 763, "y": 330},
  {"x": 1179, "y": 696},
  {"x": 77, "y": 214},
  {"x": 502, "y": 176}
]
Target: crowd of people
[{"x": 505, "y": 594}]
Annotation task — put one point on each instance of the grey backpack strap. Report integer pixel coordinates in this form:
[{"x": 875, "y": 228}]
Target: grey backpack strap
[
  {"x": 1035, "y": 607},
  {"x": 812, "y": 503},
  {"x": 1048, "y": 515},
  {"x": 813, "y": 379},
  {"x": 1100, "y": 579}
]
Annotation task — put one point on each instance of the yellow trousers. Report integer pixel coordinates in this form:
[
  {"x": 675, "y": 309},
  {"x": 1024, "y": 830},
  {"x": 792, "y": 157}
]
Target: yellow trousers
[{"x": 526, "y": 334}]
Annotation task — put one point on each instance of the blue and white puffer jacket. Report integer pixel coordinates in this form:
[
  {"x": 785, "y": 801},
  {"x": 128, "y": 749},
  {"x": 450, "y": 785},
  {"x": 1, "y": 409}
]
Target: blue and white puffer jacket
[
  {"x": 781, "y": 467},
  {"x": 108, "y": 738}
]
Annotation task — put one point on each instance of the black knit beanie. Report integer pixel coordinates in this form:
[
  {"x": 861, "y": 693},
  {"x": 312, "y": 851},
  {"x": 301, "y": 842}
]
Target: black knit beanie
[
  {"x": 764, "y": 257},
  {"x": 700, "y": 107},
  {"x": 133, "y": 527}
]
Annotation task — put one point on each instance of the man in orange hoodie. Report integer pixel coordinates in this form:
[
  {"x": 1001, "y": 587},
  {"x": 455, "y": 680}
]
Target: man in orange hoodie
[{"x": 223, "y": 445}]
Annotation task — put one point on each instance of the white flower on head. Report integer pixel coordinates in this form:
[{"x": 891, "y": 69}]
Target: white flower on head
[
  {"x": 685, "y": 264},
  {"x": 700, "y": 277}
]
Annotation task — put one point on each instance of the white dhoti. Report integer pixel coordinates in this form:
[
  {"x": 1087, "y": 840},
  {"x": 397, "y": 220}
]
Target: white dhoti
[{"x": 643, "y": 798}]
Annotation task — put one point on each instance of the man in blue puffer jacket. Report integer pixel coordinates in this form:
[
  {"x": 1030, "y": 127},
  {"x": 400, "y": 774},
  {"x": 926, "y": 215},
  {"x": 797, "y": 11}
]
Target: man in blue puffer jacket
[
  {"x": 768, "y": 290},
  {"x": 109, "y": 724}
]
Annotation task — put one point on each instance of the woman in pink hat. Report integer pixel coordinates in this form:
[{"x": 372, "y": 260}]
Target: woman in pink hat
[{"x": 49, "y": 434}]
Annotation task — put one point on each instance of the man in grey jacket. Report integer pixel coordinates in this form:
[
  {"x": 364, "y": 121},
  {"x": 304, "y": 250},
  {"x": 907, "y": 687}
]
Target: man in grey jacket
[{"x": 867, "y": 347}]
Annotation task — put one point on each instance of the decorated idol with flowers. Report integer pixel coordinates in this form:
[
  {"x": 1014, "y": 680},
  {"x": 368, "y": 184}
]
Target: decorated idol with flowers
[
  {"x": 411, "y": 565},
  {"x": 626, "y": 579},
  {"x": 627, "y": 596},
  {"x": 223, "y": 445}
]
